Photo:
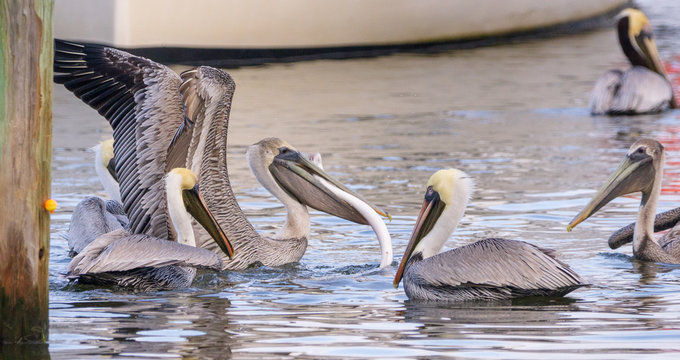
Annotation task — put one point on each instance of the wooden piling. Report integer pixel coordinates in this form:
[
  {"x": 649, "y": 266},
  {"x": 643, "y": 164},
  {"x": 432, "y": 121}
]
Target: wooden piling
[{"x": 26, "y": 56}]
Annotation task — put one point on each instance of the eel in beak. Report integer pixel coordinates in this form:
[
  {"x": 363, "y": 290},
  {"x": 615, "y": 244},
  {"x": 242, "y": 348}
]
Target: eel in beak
[{"x": 307, "y": 182}]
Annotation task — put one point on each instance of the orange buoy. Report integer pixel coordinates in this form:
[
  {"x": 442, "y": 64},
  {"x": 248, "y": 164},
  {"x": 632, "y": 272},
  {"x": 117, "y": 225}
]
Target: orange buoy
[{"x": 50, "y": 205}]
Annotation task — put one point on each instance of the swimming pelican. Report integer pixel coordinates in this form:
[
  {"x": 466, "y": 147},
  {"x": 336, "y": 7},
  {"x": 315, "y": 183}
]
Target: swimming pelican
[
  {"x": 147, "y": 263},
  {"x": 644, "y": 88},
  {"x": 640, "y": 171},
  {"x": 162, "y": 121},
  {"x": 489, "y": 269}
]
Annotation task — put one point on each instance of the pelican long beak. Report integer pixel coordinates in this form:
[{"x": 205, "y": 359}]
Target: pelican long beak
[
  {"x": 645, "y": 41},
  {"x": 195, "y": 205},
  {"x": 631, "y": 176},
  {"x": 300, "y": 178},
  {"x": 429, "y": 214}
]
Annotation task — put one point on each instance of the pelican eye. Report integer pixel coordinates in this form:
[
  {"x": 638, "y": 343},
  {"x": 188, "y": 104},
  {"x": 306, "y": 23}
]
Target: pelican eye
[
  {"x": 639, "y": 154},
  {"x": 284, "y": 150},
  {"x": 430, "y": 194}
]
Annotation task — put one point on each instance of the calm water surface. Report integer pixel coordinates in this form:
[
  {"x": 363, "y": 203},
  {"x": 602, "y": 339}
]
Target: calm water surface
[{"x": 512, "y": 116}]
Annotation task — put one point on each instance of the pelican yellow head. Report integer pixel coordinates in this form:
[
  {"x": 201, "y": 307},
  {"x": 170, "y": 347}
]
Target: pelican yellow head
[
  {"x": 637, "y": 20},
  {"x": 107, "y": 152},
  {"x": 188, "y": 178}
]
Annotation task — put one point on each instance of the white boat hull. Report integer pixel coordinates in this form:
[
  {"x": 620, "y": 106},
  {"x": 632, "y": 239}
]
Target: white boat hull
[{"x": 281, "y": 24}]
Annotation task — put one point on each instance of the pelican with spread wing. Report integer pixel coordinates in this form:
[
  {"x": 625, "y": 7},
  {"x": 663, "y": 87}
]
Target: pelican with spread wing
[{"x": 161, "y": 121}]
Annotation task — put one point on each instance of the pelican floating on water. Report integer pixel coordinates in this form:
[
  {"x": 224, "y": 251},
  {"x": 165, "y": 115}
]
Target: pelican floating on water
[
  {"x": 644, "y": 88},
  {"x": 147, "y": 263},
  {"x": 640, "y": 171},
  {"x": 489, "y": 269},
  {"x": 161, "y": 121}
]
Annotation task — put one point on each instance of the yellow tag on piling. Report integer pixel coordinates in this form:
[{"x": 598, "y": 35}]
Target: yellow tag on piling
[{"x": 50, "y": 205}]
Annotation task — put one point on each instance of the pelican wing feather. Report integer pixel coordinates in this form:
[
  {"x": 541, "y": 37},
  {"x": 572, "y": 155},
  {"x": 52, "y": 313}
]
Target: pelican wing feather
[
  {"x": 641, "y": 91},
  {"x": 606, "y": 88},
  {"x": 492, "y": 268},
  {"x": 141, "y": 101},
  {"x": 662, "y": 221},
  {"x": 91, "y": 218},
  {"x": 112, "y": 252}
]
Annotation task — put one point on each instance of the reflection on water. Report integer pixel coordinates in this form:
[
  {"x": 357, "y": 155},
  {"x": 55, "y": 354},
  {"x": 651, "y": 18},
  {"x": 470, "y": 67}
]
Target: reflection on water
[{"x": 512, "y": 116}]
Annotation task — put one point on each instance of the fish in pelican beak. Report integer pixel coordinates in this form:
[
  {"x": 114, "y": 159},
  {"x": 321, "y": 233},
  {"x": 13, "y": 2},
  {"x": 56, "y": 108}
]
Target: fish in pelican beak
[
  {"x": 300, "y": 178},
  {"x": 300, "y": 183}
]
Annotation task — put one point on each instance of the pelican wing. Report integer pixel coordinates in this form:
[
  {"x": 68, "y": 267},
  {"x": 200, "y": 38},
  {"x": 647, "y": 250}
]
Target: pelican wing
[
  {"x": 670, "y": 242},
  {"x": 662, "y": 221},
  {"x": 116, "y": 210},
  {"x": 122, "y": 251},
  {"x": 141, "y": 101},
  {"x": 641, "y": 91},
  {"x": 518, "y": 267},
  {"x": 91, "y": 218},
  {"x": 606, "y": 88}
]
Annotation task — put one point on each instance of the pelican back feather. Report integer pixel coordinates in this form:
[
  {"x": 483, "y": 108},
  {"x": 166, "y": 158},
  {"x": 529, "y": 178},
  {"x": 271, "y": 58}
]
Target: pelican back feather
[
  {"x": 121, "y": 251},
  {"x": 91, "y": 218},
  {"x": 490, "y": 269},
  {"x": 636, "y": 91}
]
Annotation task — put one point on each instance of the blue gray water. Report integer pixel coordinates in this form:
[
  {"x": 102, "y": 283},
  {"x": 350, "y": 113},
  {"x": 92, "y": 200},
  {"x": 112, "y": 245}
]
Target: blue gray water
[{"x": 513, "y": 116}]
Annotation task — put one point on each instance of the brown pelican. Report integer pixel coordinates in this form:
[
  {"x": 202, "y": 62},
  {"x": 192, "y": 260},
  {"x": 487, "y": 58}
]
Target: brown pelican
[
  {"x": 162, "y": 121},
  {"x": 644, "y": 88},
  {"x": 489, "y": 269},
  {"x": 93, "y": 217},
  {"x": 287, "y": 174},
  {"x": 146, "y": 263},
  {"x": 641, "y": 170}
]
